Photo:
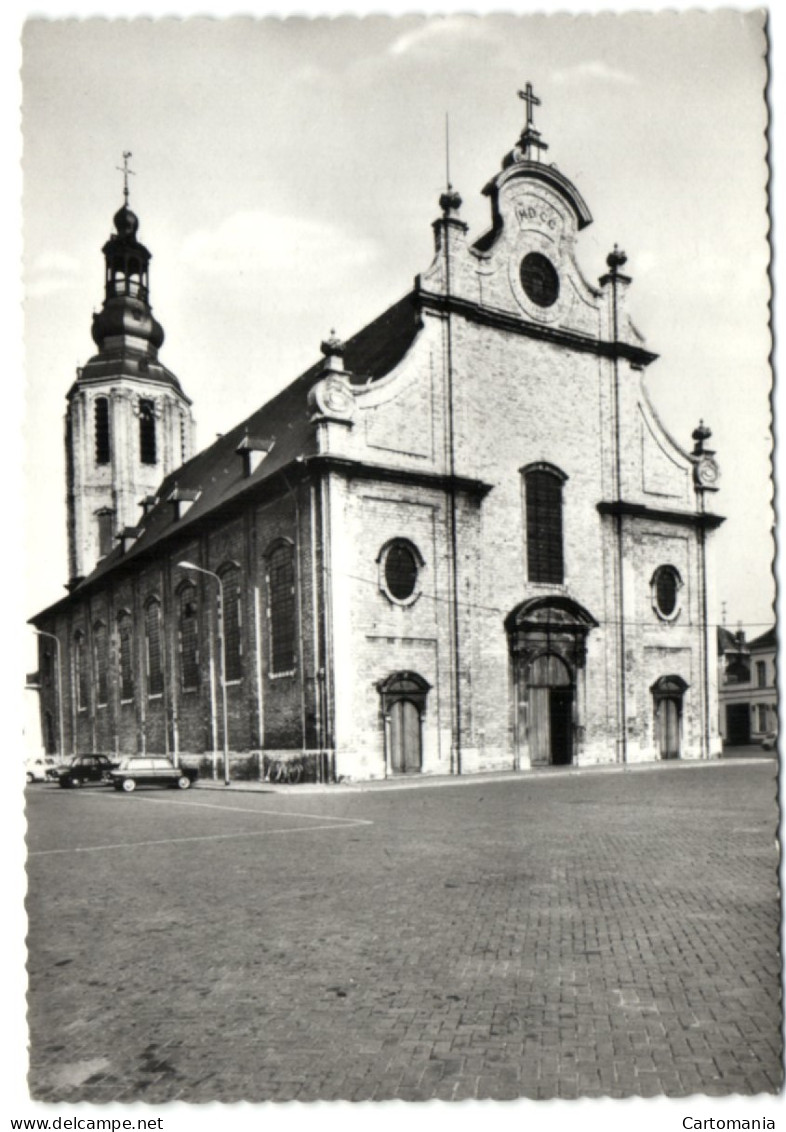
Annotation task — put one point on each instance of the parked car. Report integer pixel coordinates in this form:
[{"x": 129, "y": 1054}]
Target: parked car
[
  {"x": 82, "y": 769},
  {"x": 153, "y": 770},
  {"x": 37, "y": 766},
  {"x": 770, "y": 741}
]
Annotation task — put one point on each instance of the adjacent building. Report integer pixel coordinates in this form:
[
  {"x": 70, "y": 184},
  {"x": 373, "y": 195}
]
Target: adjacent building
[
  {"x": 747, "y": 686},
  {"x": 461, "y": 541}
]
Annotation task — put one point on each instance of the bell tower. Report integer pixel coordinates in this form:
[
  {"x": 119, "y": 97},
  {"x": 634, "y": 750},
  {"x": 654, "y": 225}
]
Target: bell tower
[{"x": 128, "y": 423}]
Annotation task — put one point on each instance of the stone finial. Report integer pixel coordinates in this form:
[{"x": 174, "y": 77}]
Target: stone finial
[
  {"x": 450, "y": 201},
  {"x": 699, "y": 436},
  {"x": 333, "y": 347},
  {"x": 616, "y": 259}
]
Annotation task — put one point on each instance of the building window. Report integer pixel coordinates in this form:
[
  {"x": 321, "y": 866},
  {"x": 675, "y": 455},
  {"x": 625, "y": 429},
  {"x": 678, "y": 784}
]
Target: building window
[
  {"x": 155, "y": 667},
  {"x": 665, "y": 586},
  {"x": 81, "y": 675},
  {"x": 539, "y": 279},
  {"x": 101, "y": 654},
  {"x": 125, "y": 655},
  {"x": 106, "y": 530},
  {"x": 103, "y": 452},
  {"x": 147, "y": 431},
  {"x": 183, "y": 439},
  {"x": 737, "y": 672},
  {"x": 761, "y": 674},
  {"x": 281, "y": 609},
  {"x": 233, "y": 623},
  {"x": 188, "y": 628},
  {"x": 543, "y": 502},
  {"x": 50, "y": 745},
  {"x": 400, "y": 563},
  {"x": 762, "y": 717}
]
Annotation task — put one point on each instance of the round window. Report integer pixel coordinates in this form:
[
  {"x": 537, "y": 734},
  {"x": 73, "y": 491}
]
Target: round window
[
  {"x": 666, "y": 585},
  {"x": 539, "y": 279},
  {"x": 401, "y": 571}
]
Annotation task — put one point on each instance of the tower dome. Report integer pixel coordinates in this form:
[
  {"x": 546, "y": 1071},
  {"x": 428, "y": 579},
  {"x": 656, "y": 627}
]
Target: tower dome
[{"x": 126, "y": 222}]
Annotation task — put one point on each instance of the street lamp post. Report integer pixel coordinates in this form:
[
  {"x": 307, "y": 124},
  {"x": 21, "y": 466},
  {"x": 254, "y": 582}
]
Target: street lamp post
[
  {"x": 222, "y": 653},
  {"x": 61, "y": 736}
]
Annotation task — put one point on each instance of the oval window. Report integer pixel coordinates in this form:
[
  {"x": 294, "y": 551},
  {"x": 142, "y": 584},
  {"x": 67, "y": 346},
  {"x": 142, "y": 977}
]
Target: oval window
[
  {"x": 667, "y": 584},
  {"x": 539, "y": 279},
  {"x": 401, "y": 571}
]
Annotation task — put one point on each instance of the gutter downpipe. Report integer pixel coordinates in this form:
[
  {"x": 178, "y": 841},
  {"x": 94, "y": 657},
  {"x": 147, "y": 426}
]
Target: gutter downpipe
[
  {"x": 448, "y": 201},
  {"x": 616, "y": 260},
  {"x": 705, "y": 630},
  {"x": 299, "y": 589}
]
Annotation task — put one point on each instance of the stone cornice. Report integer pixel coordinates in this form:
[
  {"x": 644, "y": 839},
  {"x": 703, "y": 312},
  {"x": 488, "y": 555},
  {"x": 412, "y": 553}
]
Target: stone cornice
[
  {"x": 357, "y": 469},
  {"x": 503, "y": 320},
  {"x": 676, "y": 518}
]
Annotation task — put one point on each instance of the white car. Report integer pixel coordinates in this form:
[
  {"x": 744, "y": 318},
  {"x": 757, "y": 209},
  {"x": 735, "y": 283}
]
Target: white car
[
  {"x": 36, "y": 767},
  {"x": 151, "y": 771}
]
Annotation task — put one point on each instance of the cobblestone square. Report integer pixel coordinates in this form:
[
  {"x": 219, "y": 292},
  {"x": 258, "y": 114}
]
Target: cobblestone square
[{"x": 576, "y": 933}]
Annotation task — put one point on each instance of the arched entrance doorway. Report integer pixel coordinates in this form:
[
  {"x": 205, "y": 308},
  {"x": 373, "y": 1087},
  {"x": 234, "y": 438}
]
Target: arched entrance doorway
[
  {"x": 667, "y": 694},
  {"x": 547, "y": 643},
  {"x": 403, "y": 708}
]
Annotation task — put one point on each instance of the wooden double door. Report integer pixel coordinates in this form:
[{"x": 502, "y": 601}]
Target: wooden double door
[
  {"x": 668, "y": 713},
  {"x": 404, "y": 696},
  {"x": 406, "y": 753},
  {"x": 549, "y": 697}
]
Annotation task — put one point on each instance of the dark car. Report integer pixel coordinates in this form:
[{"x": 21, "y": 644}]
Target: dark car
[
  {"x": 82, "y": 769},
  {"x": 152, "y": 770}
]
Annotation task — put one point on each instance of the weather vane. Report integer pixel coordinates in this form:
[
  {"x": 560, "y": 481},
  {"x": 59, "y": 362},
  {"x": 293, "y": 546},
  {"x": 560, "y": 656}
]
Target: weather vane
[{"x": 126, "y": 172}]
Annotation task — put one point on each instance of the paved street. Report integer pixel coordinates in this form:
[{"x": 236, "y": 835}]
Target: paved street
[{"x": 567, "y": 934}]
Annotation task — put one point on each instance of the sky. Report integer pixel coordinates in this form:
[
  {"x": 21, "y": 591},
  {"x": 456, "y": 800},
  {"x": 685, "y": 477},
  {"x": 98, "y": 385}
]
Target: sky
[
  {"x": 286, "y": 178},
  {"x": 286, "y": 174}
]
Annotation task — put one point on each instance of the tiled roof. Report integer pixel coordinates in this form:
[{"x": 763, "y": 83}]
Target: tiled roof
[
  {"x": 767, "y": 640},
  {"x": 215, "y": 478}
]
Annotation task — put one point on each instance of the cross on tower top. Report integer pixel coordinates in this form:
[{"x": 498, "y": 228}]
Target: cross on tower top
[
  {"x": 126, "y": 172},
  {"x": 531, "y": 100}
]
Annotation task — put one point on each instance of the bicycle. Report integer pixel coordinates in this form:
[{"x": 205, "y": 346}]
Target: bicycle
[{"x": 286, "y": 771}]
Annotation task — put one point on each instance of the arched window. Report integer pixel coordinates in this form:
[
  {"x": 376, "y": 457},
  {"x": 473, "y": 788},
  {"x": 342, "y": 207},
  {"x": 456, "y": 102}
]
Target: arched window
[
  {"x": 105, "y": 519},
  {"x": 103, "y": 450},
  {"x": 46, "y": 667},
  {"x": 81, "y": 675},
  {"x": 101, "y": 654},
  {"x": 543, "y": 504},
  {"x": 188, "y": 630},
  {"x": 233, "y": 622},
  {"x": 50, "y": 744},
  {"x": 281, "y": 608},
  {"x": 155, "y": 667},
  {"x": 125, "y": 650},
  {"x": 147, "y": 431}
]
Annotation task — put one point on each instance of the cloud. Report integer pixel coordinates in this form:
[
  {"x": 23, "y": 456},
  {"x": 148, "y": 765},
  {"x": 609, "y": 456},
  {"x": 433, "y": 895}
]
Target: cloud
[
  {"x": 435, "y": 31},
  {"x": 51, "y": 272},
  {"x": 259, "y": 243},
  {"x": 592, "y": 69}
]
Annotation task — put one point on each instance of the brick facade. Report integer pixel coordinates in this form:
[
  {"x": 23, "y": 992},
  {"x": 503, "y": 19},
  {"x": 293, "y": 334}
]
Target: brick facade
[{"x": 416, "y": 440}]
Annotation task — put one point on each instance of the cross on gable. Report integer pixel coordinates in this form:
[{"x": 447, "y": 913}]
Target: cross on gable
[{"x": 531, "y": 99}]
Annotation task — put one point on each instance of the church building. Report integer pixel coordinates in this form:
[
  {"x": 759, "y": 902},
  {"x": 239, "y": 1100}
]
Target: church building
[{"x": 462, "y": 541}]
